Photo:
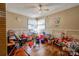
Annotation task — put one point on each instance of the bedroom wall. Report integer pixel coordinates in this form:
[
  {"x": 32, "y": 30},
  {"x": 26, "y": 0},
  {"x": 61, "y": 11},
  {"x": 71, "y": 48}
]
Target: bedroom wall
[
  {"x": 69, "y": 21},
  {"x": 16, "y": 22}
]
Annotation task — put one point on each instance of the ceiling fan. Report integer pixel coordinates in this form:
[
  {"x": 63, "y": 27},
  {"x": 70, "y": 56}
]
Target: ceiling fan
[
  {"x": 39, "y": 7},
  {"x": 43, "y": 7}
]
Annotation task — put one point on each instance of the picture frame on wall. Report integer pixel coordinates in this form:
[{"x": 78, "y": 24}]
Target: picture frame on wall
[{"x": 57, "y": 21}]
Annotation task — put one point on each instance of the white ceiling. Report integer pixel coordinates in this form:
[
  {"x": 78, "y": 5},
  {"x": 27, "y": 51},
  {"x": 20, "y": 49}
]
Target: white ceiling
[{"x": 31, "y": 10}]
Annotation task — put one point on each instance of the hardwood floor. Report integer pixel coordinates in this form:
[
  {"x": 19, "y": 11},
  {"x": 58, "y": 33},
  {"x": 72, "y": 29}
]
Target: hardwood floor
[
  {"x": 43, "y": 50},
  {"x": 46, "y": 50}
]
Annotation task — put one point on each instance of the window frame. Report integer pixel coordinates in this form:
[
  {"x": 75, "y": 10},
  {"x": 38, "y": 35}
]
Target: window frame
[{"x": 37, "y": 25}]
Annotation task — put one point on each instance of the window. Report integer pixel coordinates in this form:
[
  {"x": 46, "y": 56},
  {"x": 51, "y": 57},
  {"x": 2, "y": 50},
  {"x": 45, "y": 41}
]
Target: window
[
  {"x": 32, "y": 24},
  {"x": 41, "y": 25},
  {"x": 36, "y": 25}
]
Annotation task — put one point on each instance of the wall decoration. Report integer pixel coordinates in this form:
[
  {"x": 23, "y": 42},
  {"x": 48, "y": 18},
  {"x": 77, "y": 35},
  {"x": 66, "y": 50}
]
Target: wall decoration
[
  {"x": 18, "y": 19},
  {"x": 57, "y": 21}
]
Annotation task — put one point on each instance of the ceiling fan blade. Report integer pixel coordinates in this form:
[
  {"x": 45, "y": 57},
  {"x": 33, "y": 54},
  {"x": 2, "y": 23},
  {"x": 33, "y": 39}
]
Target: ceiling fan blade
[
  {"x": 30, "y": 6},
  {"x": 46, "y": 9}
]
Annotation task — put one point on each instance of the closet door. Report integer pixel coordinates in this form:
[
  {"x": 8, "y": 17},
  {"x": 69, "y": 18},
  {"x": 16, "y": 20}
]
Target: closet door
[{"x": 2, "y": 29}]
